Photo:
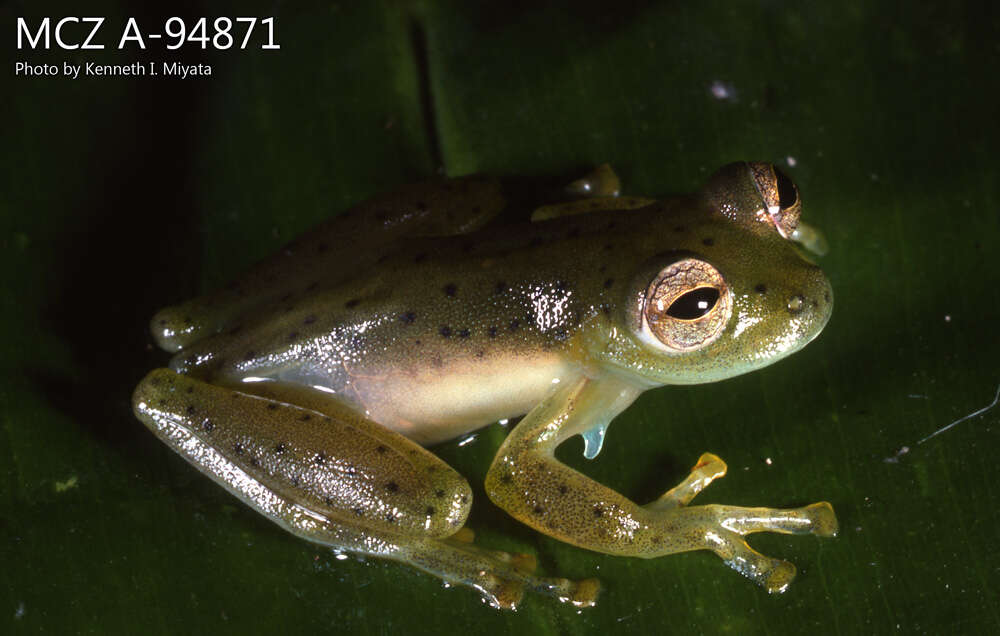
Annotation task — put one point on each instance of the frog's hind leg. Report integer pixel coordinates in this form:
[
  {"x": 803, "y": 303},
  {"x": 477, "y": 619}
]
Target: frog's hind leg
[
  {"x": 337, "y": 250},
  {"x": 330, "y": 476},
  {"x": 599, "y": 190}
]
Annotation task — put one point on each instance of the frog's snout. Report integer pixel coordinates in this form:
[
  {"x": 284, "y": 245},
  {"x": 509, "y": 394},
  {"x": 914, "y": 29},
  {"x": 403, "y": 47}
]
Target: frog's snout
[{"x": 814, "y": 303}]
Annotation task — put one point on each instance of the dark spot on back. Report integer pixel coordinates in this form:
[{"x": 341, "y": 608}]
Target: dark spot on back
[
  {"x": 563, "y": 489},
  {"x": 492, "y": 331},
  {"x": 561, "y": 285},
  {"x": 679, "y": 228},
  {"x": 539, "y": 510},
  {"x": 450, "y": 289},
  {"x": 463, "y": 333},
  {"x": 249, "y": 355},
  {"x": 421, "y": 206},
  {"x": 439, "y": 494},
  {"x": 293, "y": 335},
  {"x": 598, "y": 511},
  {"x": 207, "y": 426},
  {"x": 305, "y": 418},
  {"x": 429, "y": 511},
  {"x": 280, "y": 448},
  {"x": 238, "y": 448},
  {"x": 322, "y": 247},
  {"x": 760, "y": 288},
  {"x": 708, "y": 241},
  {"x": 190, "y": 410},
  {"x": 445, "y": 331},
  {"x": 407, "y": 317},
  {"x": 310, "y": 319},
  {"x": 392, "y": 486},
  {"x": 514, "y": 324},
  {"x": 608, "y": 283},
  {"x": 320, "y": 458},
  {"x": 351, "y": 303},
  {"x": 190, "y": 389},
  {"x": 420, "y": 257},
  {"x": 381, "y": 449},
  {"x": 272, "y": 406}
]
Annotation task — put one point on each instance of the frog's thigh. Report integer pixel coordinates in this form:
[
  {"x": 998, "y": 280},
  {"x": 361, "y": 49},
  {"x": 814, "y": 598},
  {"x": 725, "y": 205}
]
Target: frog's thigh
[
  {"x": 336, "y": 250},
  {"x": 288, "y": 461},
  {"x": 527, "y": 481},
  {"x": 335, "y": 478}
]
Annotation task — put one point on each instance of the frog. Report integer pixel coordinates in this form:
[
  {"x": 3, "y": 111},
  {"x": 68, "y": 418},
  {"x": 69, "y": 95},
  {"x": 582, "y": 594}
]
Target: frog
[{"x": 312, "y": 386}]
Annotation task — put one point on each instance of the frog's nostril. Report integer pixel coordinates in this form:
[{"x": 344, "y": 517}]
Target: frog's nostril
[{"x": 796, "y": 304}]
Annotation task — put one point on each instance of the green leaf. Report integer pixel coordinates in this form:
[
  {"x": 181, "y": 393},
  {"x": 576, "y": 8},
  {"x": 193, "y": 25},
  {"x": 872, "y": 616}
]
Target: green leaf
[{"x": 122, "y": 195}]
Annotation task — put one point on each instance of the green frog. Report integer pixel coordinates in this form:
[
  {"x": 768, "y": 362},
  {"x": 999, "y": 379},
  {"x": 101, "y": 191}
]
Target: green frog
[{"x": 312, "y": 386}]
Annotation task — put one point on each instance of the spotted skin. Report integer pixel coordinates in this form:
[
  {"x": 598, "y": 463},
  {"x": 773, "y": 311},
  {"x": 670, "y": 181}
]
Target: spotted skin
[{"x": 310, "y": 387}]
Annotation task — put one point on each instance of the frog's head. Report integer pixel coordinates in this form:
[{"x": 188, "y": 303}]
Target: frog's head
[{"x": 733, "y": 293}]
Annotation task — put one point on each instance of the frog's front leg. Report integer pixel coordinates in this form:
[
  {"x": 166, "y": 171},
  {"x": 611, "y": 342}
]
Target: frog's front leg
[
  {"x": 529, "y": 483},
  {"x": 331, "y": 476}
]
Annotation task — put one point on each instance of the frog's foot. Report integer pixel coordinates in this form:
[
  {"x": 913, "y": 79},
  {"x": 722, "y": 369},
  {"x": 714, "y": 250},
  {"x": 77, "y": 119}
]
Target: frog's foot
[
  {"x": 600, "y": 182},
  {"x": 722, "y": 528},
  {"x": 500, "y": 577}
]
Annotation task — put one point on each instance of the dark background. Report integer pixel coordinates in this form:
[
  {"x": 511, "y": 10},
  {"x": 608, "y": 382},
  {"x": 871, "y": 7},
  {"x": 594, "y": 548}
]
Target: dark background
[{"x": 121, "y": 195}]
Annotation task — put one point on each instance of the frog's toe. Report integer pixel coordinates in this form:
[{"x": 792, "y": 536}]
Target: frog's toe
[
  {"x": 774, "y": 575},
  {"x": 502, "y": 594},
  {"x": 823, "y": 519},
  {"x": 173, "y": 328},
  {"x": 582, "y": 593}
]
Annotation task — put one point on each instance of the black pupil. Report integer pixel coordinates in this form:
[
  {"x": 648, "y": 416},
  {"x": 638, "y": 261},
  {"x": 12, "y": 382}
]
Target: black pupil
[
  {"x": 694, "y": 304},
  {"x": 786, "y": 190}
]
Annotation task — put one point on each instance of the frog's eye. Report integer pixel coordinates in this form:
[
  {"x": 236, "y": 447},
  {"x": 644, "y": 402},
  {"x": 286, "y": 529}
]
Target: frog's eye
[
  {"x": 685, "y": 307},
  {"x": 781, "y": 197}
]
